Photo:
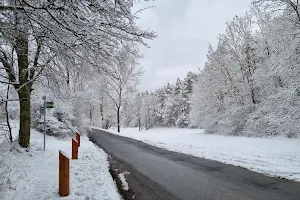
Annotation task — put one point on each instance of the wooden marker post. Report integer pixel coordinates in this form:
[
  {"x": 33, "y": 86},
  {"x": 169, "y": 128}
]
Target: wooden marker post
[
  {"x": 64, "y": 175},
  {"x": 78, "y": 138},
  {"x": 74, "y": 149}
]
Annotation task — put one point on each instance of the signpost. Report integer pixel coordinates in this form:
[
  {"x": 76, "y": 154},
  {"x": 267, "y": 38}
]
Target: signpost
[
  {"x": 44, "y": 98},
  {"x": 47, "y": 104}
]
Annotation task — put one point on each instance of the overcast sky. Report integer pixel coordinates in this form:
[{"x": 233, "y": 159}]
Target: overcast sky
[{"x": 185, "y": 28}]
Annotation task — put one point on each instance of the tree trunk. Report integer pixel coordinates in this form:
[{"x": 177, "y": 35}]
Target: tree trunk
[
  {"x": 149, "y": 122},
  {"x": 68, "y": 78},
  {"x": 253, "y": 96},
  {"x": 25, "y": 120},
  {"x": 118, "y": 119},
  {"x": 7, "y": 116},
  {"x": 139, "y": 124},
  {"x": 91, "y": 116},
  {"x": 101, "y": 112},
  {"x": 24, "y": 73}
]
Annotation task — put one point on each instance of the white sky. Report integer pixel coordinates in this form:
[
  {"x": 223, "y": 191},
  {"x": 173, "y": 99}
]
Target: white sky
[{"x": 185, "y": 28}]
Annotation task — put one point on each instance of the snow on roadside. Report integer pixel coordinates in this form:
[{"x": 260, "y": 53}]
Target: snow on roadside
[
  {"x": 33, "y": 175},
  {"x": 274, "y": 156},
  {"x": 123, "y": 180}
]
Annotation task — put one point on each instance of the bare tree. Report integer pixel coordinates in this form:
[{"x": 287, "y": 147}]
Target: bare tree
[
  {"x": 122, "y": 81},
  {"x": 277, "y": 7},
  {"x": 34, "y": 33},
  {"x": 6, "y": 128},
  {"x": 7, "y": 115}
]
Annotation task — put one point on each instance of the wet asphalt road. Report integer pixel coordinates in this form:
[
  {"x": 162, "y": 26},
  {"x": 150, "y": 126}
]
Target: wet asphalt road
[{"x": 159, "y": 174}]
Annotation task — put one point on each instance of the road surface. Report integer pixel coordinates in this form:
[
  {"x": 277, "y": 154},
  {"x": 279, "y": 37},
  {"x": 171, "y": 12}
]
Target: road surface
[{"x": 159, "y": 174}]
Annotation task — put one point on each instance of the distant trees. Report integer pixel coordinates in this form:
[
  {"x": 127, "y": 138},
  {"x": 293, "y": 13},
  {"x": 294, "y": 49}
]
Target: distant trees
[
  {"x": 167, "y": 106},
  {"x": 250, "y": 82}
]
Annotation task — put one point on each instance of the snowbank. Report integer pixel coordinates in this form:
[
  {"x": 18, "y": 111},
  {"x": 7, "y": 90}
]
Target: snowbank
[
  {"x": 274, "y": 156},
  {"x": 33, "y": 175}
]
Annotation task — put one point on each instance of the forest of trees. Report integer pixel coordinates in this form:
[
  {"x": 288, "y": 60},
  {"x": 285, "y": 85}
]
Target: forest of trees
[
  {"x": 167, "y": 106},
  {"x": 87, "y": 63},
  {"x": 249, "y": 84}
]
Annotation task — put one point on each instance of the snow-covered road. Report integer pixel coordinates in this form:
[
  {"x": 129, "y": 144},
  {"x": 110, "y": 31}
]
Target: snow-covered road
[{"x": 276, "y": 156}]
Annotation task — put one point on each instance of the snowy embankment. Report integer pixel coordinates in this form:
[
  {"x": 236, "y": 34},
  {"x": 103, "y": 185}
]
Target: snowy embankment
[
  {"x": 274, "y": 156},
  {"x": 34, "y": 174}
]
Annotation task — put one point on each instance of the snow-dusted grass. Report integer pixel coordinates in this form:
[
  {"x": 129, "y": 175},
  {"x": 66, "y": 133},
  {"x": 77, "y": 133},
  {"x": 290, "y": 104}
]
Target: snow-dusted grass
[
  {"x": 274, "y": 156},
  {"x": 33, "y": 175}
]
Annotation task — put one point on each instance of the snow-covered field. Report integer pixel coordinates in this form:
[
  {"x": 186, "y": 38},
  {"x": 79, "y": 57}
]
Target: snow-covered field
[
  {"x": 276, "y": 156},
  {"x": 33, "y": 175}
]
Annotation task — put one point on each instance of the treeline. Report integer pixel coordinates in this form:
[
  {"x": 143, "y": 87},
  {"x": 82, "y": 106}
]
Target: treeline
[
  {"x": 250, "y": 82},
  {"x": 167, "y": 106},
  {"x": 248, "y": 86}
]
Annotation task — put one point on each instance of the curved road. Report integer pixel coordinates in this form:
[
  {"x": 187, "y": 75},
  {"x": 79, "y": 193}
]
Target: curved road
[{"x": 159, "y": 174}]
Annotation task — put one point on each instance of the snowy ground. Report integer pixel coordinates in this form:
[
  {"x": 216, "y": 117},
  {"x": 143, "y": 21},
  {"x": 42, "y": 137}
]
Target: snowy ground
[
  {"x": 272, "y": 156},
  {"x": 33, "y": 175}
]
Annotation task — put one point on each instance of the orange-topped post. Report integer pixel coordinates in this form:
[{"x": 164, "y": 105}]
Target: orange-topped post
[
  {"x": 64, "y": 175},
  {"x": 74, "y": 149}
]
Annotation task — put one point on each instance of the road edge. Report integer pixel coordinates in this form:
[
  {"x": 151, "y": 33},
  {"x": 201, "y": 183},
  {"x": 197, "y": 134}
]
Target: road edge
[
  {"x": 114, "y": 172},
  {"x": 126, "y": 194}
]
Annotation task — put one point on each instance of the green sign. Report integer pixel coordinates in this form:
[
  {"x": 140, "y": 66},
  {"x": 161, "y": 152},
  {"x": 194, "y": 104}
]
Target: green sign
[{"x": 49, "y": 104}]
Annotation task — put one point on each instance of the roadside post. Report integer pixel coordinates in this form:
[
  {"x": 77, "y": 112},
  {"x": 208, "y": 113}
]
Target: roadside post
[
  {"x": 64, "y": 174},
  {"x": 74, "y": 149},
  {"x": 47, "y": 104},
  {"x": 44, "y": 98}
]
